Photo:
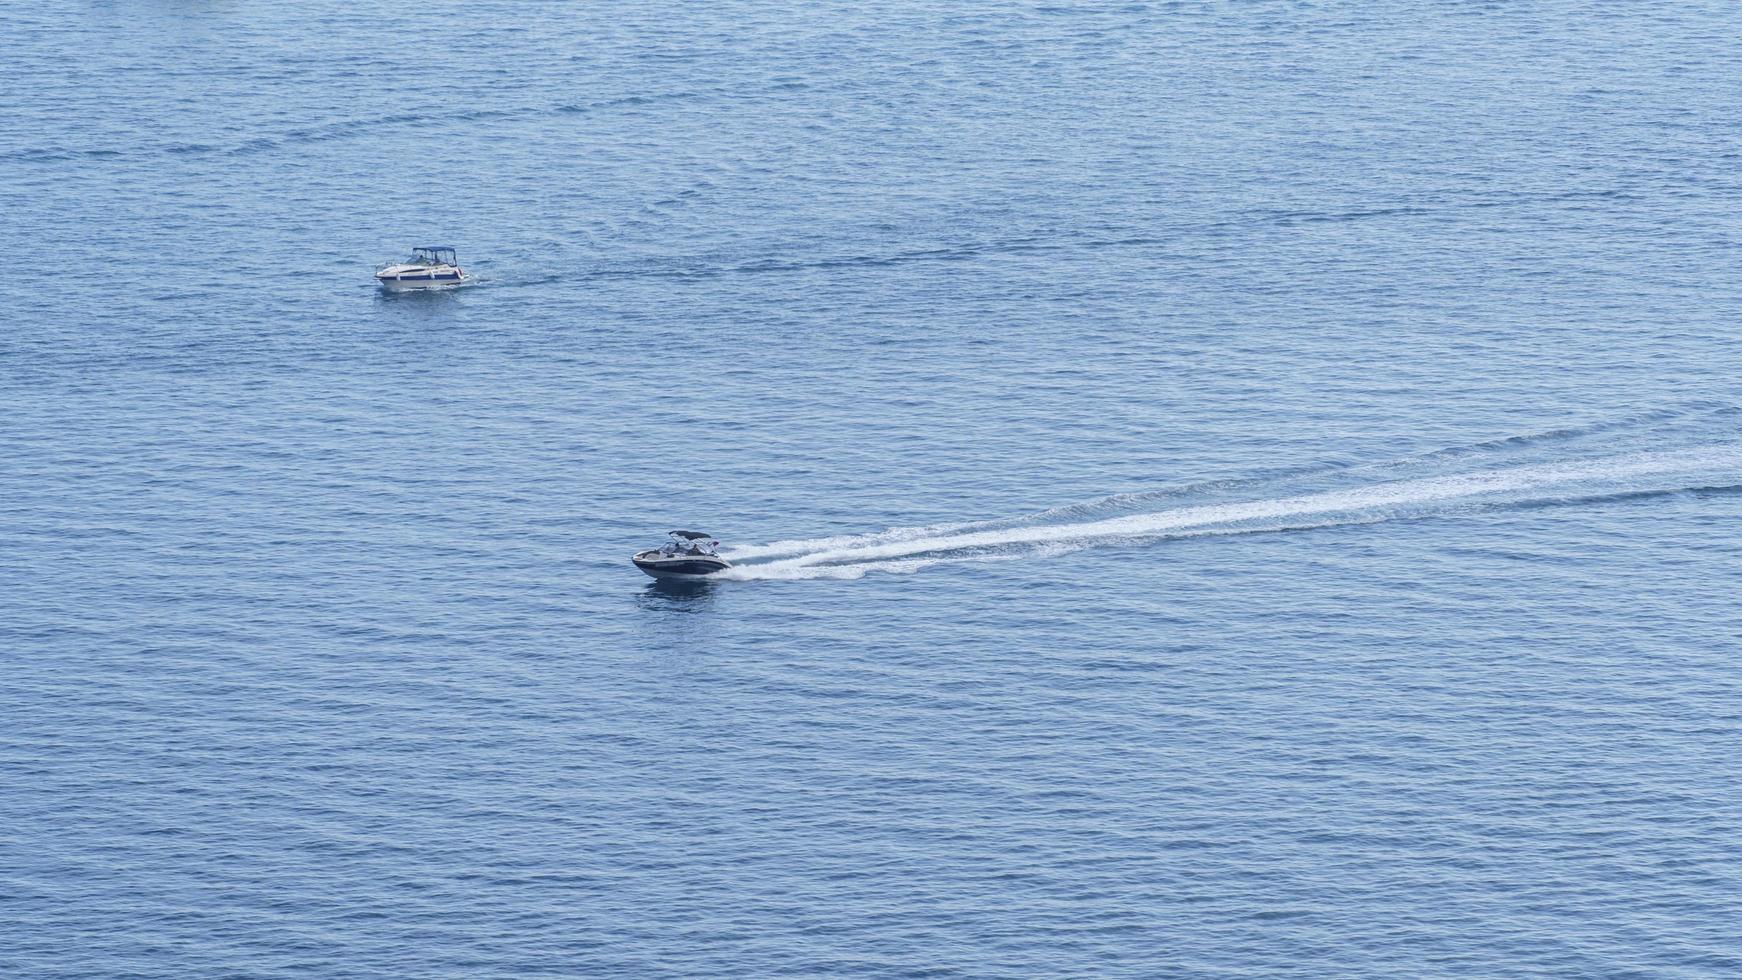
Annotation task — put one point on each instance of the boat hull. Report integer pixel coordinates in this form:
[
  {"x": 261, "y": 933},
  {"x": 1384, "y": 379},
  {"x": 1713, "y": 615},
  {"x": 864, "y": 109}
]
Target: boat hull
[
  {"x": 413, "y": 276},
  {"x": 421, "y": 282},
  {"x": 689, "y": 567}
]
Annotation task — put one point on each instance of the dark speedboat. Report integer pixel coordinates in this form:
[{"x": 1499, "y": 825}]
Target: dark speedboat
[{"x": 688, "y": 555}]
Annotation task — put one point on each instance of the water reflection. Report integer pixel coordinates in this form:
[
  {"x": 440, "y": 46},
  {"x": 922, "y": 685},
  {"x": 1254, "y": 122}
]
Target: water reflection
[
  {"x": 663, "y": 595},
  {"x": 432, "y": 298}
]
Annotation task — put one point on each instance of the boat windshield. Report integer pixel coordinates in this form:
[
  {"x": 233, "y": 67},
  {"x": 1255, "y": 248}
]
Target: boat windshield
[
  {"x": 686, "y": 546},
  {"x": 431, "y": 256}
]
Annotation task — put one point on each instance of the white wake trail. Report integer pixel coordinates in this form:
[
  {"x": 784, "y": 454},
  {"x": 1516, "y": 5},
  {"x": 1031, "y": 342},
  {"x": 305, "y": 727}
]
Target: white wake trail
[
  {"x": 907, "y": 549},
  {"x": 805, "y": 546}
]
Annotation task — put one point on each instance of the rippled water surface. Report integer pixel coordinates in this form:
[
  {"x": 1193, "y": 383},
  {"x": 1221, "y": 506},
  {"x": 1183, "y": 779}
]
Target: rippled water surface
[{"x": 1218, "y": 490}]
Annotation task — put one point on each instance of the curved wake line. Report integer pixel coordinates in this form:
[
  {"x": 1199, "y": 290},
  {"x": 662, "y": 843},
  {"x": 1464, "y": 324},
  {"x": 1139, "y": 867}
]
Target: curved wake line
[
  {"x": 802, "y": 546},
  {"x": 907, "y": 549}
]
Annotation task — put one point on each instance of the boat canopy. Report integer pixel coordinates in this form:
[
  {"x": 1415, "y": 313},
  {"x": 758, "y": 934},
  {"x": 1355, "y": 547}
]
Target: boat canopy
[{"x": 434, "y": 254}]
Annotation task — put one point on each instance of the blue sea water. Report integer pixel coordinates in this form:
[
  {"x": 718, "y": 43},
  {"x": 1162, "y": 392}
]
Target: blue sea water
[{"x": 1220, "y": 490}]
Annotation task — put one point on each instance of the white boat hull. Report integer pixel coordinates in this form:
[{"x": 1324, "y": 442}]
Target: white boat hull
[
  {"x": 422, "y": 283},
  {"x": 422, "y": 276}
]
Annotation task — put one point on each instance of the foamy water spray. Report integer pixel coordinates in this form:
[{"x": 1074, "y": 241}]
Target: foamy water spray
[{"x": 909, "y": 549}]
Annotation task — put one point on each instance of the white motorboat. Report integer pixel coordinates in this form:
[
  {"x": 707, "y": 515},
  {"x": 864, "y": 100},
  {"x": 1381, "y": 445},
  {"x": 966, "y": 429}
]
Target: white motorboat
[
  {"x": 428, "y": 267},
  {"x": 688, "y": 555}
]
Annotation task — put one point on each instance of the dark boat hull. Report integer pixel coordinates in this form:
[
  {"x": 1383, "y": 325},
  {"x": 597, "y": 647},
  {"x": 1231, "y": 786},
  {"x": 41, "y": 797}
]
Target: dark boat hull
[{"x": 680, "y": 566}]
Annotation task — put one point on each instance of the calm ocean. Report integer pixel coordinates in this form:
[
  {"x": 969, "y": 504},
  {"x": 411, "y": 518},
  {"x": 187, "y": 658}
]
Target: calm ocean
[{"x": 1220, "y": 490}]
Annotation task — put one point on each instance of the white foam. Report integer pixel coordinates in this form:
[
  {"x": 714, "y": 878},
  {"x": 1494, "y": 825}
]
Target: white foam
[
  {"x": 804, "y": 546},
  {"x": 908, "y": 549}
]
